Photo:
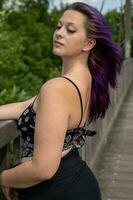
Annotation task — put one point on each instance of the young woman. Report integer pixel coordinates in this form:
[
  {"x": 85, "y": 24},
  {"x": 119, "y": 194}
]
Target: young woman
[{"x": 52, "y": 124}]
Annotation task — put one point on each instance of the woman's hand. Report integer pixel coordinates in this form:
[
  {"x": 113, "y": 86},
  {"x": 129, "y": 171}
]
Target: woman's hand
[{"x": 10, "y": 193}]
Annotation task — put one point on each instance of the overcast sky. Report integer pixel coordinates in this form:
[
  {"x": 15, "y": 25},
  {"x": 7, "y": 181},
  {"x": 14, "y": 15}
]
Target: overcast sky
[{"x": 109, "y": 4}]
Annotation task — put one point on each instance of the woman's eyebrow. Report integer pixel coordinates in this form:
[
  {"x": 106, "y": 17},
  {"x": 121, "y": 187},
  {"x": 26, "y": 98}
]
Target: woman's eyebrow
[{"x": 69, "y": 23}]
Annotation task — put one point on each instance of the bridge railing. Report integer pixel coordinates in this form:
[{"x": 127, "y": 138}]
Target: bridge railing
[
  {"x": 9, "y": 136},
  {"x": 93, "y": 146},
  {"x": 9, "y": 141}
]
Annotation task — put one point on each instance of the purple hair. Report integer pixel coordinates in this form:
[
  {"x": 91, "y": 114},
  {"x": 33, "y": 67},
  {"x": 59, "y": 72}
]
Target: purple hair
[{"x": 104, "y": 60}]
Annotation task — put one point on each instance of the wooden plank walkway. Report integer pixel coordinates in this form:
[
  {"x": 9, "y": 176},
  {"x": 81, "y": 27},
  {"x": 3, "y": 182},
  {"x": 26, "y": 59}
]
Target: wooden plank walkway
[{"x": 114, "y": 169}]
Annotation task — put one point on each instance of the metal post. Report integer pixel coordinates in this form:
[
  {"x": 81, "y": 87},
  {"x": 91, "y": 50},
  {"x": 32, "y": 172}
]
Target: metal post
[{"x": 127, "y": 28}]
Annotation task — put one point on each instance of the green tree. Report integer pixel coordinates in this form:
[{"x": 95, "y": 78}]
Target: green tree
[
  {"x": 26, "y": 59},
  {"x": 115, "y": 21},
  {"x": 28, "y": 47}
]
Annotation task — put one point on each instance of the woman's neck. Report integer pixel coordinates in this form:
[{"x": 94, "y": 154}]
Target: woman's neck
[{"x": 73, "y": 65}]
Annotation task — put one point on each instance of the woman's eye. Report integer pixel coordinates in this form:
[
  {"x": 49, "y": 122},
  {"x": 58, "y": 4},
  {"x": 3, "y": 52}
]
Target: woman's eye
[
  {"x": 71, "y": 31},
  {"x": 68, "y": 30},
  {"x": 58, "y": 27}
]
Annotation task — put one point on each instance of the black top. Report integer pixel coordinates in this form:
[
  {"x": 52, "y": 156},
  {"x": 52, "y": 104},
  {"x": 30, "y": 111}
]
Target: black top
[{"x": 26, "y": 124}]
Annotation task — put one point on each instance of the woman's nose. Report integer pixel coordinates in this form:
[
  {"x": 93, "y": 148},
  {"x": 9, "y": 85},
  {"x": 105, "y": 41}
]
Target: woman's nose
[{"x": 60, "y": 32}]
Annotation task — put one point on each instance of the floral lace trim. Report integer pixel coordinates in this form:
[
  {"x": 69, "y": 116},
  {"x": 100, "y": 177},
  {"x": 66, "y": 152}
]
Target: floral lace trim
[
  {"x": 78, "y": 139},
  {"x": 73, "y": 140}
]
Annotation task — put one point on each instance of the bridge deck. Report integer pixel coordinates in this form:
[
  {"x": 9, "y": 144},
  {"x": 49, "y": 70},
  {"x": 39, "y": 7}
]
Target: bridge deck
[{"x": 114, "y": 170}]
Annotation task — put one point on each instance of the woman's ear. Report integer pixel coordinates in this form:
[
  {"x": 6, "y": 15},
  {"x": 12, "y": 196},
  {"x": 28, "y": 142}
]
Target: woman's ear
[{"x": 91, "y": 42}]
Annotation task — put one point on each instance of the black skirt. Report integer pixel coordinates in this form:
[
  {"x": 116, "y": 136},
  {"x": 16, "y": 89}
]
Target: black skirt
[{"x": 73, "y": 180}]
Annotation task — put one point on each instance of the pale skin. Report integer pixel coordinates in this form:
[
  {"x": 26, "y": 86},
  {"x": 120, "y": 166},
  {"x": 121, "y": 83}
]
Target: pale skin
[{"x": 48, "y": 140}]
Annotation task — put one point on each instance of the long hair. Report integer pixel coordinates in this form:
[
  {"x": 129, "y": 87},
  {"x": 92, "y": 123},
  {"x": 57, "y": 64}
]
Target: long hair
[{"x": 104, "y": 61}]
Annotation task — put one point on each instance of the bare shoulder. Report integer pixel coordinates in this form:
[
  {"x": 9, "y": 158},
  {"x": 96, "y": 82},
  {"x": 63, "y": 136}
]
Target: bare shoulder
[
  {"x": 55, "y": 92},
  {"x": 57, "y": 82},
  {"x": 55, "y": 85}
]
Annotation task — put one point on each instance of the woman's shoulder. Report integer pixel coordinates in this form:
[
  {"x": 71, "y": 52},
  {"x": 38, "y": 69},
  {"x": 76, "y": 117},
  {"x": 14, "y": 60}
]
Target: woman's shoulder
[
  {"x": 56, "y": 83},
  {"x": 56, "y": 88}
]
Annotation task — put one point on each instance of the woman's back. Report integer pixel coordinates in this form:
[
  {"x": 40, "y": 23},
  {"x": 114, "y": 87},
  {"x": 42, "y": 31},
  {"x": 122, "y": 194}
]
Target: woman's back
[{"x": 78, "y": 114}]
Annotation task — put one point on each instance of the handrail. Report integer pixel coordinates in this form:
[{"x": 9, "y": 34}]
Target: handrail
[
  {"x": 9, "y": 139},
  {"x": 8, "y": 135},
  {"x": 93, "y": 147}
]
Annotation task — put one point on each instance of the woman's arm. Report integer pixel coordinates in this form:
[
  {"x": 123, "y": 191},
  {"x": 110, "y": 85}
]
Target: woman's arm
[
  {"x": 52, "y": 116},
  {"x": 12, "y": 111}
]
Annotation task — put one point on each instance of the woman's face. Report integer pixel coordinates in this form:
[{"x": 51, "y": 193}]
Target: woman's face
[{"x": 70, "y": 35}]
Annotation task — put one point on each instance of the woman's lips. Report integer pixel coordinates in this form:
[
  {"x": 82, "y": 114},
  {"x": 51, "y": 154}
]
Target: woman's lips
[{"x": 57, "y": 43}]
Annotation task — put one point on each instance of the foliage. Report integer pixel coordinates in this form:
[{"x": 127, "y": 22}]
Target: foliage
[
  {"x": 26, "y": 59},
  {"x": 117, "y": 31}
]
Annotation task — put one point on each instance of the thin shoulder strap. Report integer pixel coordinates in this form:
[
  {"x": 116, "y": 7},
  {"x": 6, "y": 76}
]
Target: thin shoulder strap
[
  {"x": 34, "y": 100},
  {"x": 79, "y": 97}
]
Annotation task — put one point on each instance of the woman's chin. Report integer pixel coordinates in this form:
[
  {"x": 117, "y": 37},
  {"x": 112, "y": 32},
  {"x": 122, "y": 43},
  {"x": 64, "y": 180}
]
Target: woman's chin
[{"x": 57, "y": 53}]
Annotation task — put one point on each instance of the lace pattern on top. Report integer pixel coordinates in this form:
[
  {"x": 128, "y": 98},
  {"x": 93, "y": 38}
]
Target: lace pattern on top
[
  {"x": 26, "y": 124},
  {"x": 77, "y": 139}
]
